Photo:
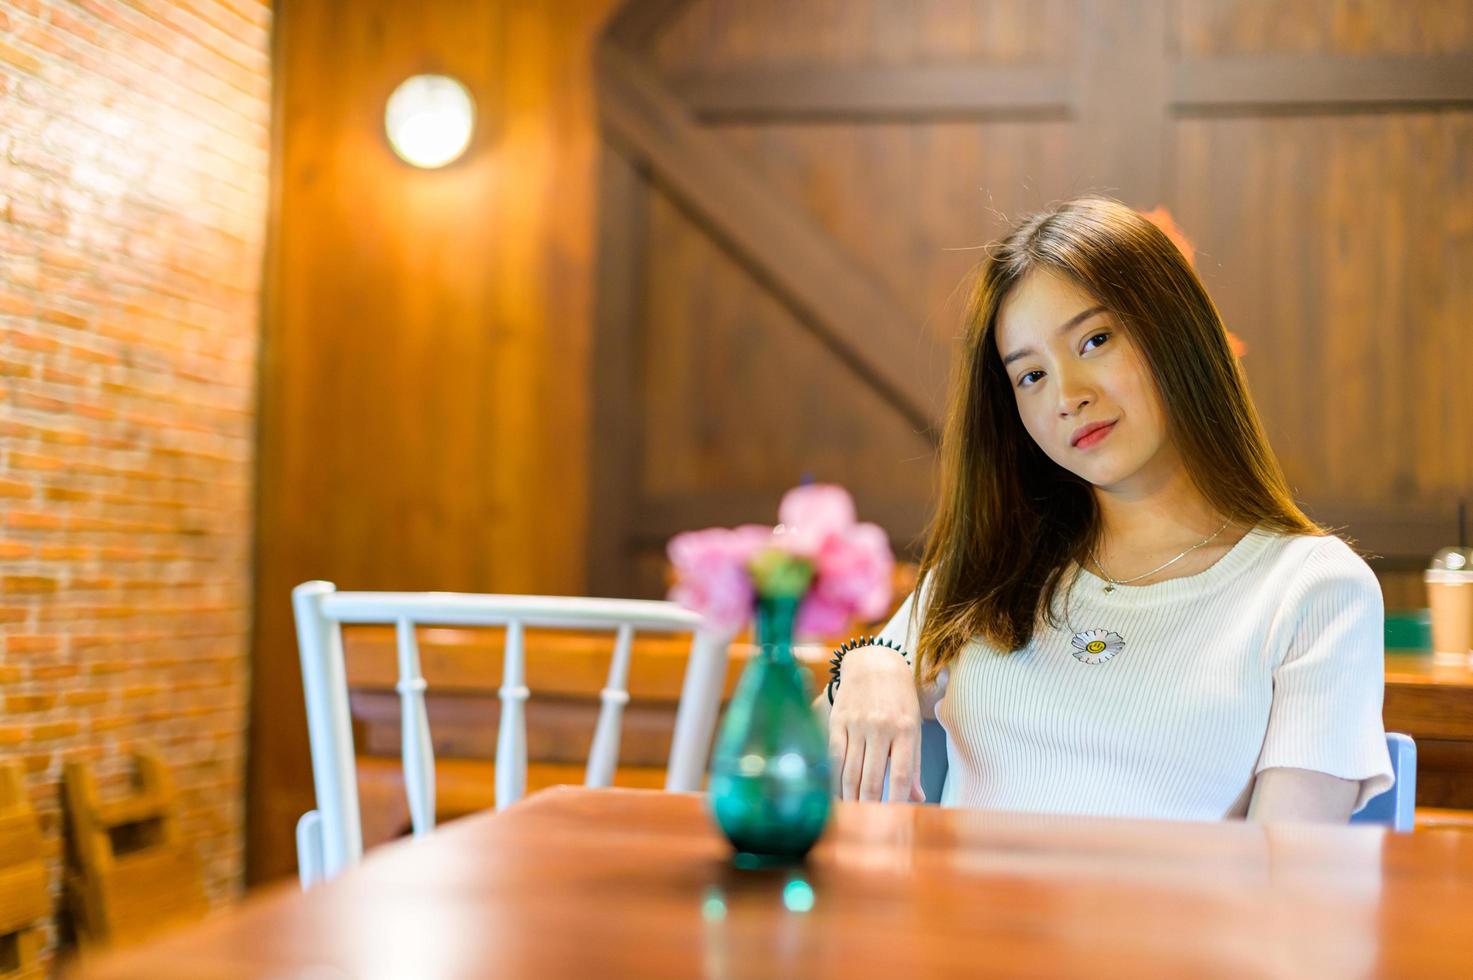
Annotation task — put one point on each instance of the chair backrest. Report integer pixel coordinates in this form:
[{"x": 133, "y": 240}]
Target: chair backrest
[
  {"x": 25, "y": 902},
  {"x": 330, "y": 838},
  {"x": 1396, "y": 808}
]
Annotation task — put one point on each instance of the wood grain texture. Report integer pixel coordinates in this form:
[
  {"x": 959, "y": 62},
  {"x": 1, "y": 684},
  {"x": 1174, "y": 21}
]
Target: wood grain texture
[
  {"x": 1347, "y": 287},
  {"x": 643, "y": 885},
  {"x": 425, "y": 372}
]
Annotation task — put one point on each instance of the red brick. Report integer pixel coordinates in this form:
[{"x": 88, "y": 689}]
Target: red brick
[
  {"x": 13, "y": 304},
  {"x": 31, "y": 341},
  {"x": 62, "y": 317},
  {"x": 54, "y": 729},
  {"x": 26, "y": 703},
  {"x": 64, "y": 552},
  {"x": 59, "y": 377},
  {"x": 40, "y": 403},
  {"x": 18, "y": 59},
  {"x": 27, "y": 583},
  {"x": 26, "y": 214},
  {"x": 32, "y": 643},
  {"x": 16, "y": 490},
  {"x": 83, "y": 699},
  {"x": 54, "y": 672},
  {"x": 32, "y": 521},
  {"x": 66, "y": 495},
  {"x": 33, "y": 461}
]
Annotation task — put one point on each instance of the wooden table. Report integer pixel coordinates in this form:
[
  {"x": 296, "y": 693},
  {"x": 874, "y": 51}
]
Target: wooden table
[{"x": 584, "y": 883}]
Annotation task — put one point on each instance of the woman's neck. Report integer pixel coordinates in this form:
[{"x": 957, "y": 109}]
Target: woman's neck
[{"x": 1155, "y": 516}]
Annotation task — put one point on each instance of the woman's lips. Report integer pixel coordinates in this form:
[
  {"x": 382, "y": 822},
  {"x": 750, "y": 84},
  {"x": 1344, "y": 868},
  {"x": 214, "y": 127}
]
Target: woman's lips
[{"x": 1095, "y": 436}]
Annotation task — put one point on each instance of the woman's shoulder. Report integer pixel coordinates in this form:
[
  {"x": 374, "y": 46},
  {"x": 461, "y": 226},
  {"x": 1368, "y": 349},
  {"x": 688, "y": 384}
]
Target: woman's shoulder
[{"x": 1306, "y": 563}]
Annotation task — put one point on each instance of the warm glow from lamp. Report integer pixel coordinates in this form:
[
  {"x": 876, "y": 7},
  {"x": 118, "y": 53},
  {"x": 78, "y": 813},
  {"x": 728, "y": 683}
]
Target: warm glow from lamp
[{"x": 429, "y": 120}]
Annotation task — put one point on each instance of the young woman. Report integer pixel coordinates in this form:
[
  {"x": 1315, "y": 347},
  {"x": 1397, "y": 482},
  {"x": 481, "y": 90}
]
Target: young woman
[{"x": 1121, "y": 611}]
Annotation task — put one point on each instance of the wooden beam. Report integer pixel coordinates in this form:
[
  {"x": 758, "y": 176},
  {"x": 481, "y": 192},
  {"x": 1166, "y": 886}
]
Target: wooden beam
[
  {"x": 1034, "y": 92},
  {"x": 638, "y": 22},
  {"x": 1122, "y": 76},
  {"x": 859, "y": 321},
  {"x": 1320, "y": 83}
]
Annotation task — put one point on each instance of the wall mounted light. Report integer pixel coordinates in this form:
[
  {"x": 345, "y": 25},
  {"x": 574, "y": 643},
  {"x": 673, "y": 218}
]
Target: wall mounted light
[{"x": 429, "y": 120}]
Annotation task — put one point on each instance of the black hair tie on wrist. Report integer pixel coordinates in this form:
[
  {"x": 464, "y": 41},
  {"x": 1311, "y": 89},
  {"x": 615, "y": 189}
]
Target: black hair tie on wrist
[{"x": 855, "y": 644}]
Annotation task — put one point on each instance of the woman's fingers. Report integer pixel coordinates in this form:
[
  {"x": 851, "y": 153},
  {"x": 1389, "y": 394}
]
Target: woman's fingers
[
  {"x": 872, "y": 777},
  {"x": 902, "y": 765},
  {"x": 853, "y": 768},
  {"x": 838, "y": 740}
]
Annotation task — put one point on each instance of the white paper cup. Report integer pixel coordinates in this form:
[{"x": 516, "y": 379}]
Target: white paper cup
[{"x": 1450, "y": 597}]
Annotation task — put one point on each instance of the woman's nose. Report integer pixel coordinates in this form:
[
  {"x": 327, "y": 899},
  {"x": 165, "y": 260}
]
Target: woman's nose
[{"x": 1074, "y": 396}]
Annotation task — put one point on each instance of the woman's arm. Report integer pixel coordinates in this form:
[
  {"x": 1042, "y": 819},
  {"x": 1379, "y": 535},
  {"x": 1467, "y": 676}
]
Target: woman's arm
[{"x": 1302, "y": 795}]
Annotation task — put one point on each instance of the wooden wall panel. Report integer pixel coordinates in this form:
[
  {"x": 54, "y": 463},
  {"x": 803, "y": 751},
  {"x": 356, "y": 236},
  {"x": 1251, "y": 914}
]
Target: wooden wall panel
[
  {"x": 1316, "y": 152},
  {"x": 913, "y": 204},
  {"x": 1350, "y": 290},
  {"x": 425, "y": 364},
  {"x": 1206, "y": 28},
  {"x": 737, "y": 395}
]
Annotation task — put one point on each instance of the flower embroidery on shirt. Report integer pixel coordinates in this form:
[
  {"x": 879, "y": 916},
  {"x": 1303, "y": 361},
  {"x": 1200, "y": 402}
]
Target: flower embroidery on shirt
[{"x": 1096, "y": 646}]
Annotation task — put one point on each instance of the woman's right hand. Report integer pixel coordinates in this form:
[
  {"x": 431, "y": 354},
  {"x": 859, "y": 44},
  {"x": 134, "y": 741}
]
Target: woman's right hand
[{"x": 876, "y": 719}]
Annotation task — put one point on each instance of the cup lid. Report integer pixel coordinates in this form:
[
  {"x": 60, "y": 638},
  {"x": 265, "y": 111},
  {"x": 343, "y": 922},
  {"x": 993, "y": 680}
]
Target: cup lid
[{"x": 1453, "y": 560}]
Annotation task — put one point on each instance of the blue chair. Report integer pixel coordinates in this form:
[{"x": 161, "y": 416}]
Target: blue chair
[
  {"x": 933, "y": 760},
  {"x": 1396, "y": 808}
]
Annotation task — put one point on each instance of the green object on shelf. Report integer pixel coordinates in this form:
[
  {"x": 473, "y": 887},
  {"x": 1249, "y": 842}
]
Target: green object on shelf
[
  {"x": 1409, "y": 630},
  {"x": 770, "y": 770}
]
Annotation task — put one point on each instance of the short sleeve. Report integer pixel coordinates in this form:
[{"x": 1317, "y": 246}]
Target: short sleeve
[
  {"x": 1327, "y": 689},
  {"x": 904, "y": 628}
]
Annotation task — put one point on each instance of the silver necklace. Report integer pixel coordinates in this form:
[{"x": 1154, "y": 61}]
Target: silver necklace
[{"x": 1111, "y": 582}]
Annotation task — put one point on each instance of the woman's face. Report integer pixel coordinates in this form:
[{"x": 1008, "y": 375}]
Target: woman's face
[{"x": 1083, "y": 389}]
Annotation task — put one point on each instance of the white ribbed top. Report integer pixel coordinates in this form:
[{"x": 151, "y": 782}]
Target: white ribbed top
[{"x": 1271, "y": 657}]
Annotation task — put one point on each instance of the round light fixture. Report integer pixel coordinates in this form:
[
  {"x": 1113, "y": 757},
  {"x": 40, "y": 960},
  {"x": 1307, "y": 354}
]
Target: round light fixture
[{"x": 429, "y": 120}]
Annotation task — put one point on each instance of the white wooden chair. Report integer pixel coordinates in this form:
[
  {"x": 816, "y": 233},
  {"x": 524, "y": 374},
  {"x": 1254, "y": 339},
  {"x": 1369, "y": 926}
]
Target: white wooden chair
[{"x": 330, "y": 837}]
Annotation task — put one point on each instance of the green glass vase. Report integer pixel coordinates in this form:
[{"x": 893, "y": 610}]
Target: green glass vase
[{"x": 770, "y": 787}]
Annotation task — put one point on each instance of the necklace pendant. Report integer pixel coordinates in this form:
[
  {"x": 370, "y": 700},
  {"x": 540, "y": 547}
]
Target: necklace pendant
[{"x": 1109, "y": 589}]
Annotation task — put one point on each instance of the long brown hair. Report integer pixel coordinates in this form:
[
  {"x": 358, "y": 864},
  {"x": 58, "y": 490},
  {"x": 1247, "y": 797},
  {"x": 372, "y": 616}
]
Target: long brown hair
[{"x": 1010, "y": 520}]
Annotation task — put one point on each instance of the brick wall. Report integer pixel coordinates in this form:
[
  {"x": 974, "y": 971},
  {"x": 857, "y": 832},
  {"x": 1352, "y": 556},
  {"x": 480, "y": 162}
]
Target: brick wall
[{"x": 133, "y": 185}]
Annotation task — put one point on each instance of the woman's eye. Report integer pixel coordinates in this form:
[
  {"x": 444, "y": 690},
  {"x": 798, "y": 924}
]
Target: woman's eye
[
  {"x": 1101, "y": 337},
  {"x": 1029, "y": 378}
]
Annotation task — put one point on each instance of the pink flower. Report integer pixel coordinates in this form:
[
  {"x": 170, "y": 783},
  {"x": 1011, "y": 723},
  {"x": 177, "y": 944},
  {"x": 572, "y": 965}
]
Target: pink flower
[
  {"x": 810, "y": 514},
  {"x": 717, "y": 570},
  {"x": 711, "y": 574},
  {"x": 821, "y": 616},
  {"x": 855, "y": 571}
]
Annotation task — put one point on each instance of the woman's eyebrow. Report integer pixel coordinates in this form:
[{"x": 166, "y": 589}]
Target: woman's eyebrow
[{"x": 1064, "y": 327}]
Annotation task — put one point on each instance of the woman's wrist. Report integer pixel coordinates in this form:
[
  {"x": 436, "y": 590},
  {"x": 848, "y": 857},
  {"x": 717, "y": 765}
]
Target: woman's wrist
[{"x": 854, "y": 645}]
